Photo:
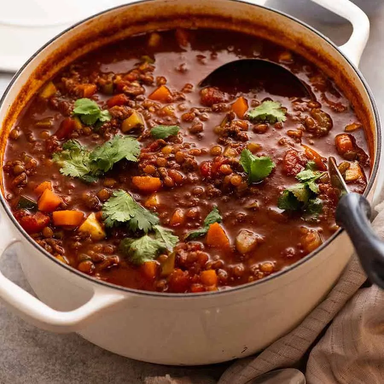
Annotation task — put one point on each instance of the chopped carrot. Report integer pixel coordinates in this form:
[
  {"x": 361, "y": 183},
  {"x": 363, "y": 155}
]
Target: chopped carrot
[
  {"x": 216, "y": 236},
  {"x": 177, "y": 218},
  {"x": 162, "y": 94},
  {"x": 344, "y": 143},
  {"x": 88, "y": 89},
  {"x": 240, "y": 106},
  {"x": 42, "y": 187},
  {"x": 313, "y": 155},
  {"x": 48, "y": 201},
  {"x": 209, "y": 278},
  {"x": 120, "y": 99},
  {"x": 152, "y": 201},
  {"x": 147, "y": 184},
  {"x": 67, "y": 218},
  {"x": 149, "y": 269}
]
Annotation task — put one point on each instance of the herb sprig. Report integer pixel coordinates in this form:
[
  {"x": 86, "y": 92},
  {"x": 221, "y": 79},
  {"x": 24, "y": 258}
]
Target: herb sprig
[
  {"x": 212, "y": 217},
  {"x": 267, "y": 112},
  {"x": 89, "y": 112},
  {"x": 77, "y": 161},
  {"x": 257, "y": 168}
]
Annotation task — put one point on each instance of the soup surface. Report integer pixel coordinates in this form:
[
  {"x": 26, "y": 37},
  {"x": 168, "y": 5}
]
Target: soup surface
[{"x": 126, "y": 169}]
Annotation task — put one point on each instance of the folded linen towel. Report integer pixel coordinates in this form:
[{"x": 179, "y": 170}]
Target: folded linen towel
[{"x": 351, "y": 350}]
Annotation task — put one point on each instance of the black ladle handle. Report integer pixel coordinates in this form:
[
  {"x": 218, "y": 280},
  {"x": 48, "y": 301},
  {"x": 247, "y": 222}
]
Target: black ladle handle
[{"x": 353, "y": 213}]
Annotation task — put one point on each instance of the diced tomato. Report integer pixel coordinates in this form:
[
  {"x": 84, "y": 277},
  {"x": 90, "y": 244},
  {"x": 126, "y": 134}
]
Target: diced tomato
[
  {"x": 217, "y": 163},
  {"x": 206, "y": 168},
  {"x": 120, "y": 99},
  {"x": 67, "y": 126},
  {"x": 211, "y": 168},
  {"x": 195, "y": 288},
  {"x": 293, "y": 163},
  {"x": 179, "y": 281},
  {"x": 33, "y": 223}
]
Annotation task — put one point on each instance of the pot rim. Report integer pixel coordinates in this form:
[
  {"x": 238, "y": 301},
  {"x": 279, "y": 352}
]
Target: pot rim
[{"x": 247, "y": 286}]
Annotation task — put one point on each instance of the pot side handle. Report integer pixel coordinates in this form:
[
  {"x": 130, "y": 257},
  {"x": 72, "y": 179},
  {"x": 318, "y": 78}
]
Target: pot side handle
[
  {"x": 41, "y": 315},
  {"x": 354, "y": 47}
]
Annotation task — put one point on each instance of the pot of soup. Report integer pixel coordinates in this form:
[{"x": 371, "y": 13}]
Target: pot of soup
[{"x": 171, "y": 222}]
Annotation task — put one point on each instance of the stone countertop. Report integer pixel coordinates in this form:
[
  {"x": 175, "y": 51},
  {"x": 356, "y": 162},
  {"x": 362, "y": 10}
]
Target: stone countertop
[{"x": 29, "y": 355}]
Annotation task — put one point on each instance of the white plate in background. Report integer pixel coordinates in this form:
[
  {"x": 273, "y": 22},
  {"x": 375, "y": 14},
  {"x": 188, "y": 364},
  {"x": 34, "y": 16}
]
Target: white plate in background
[{"x": 26, "y": 25}]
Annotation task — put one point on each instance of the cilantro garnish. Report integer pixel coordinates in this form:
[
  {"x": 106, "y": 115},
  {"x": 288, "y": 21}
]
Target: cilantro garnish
[
  {"x": 147, "y": 248},
  {"x": 303, "y": 196},
  {"x": 267, "y": 112},
  {"x": 212, "y": 217},
  {"x": 141, "y": 250},
  {"x": 111, "y": 152},
  {"x": 122, "y": 208},
  {"x": 257, "y": 168},
  {"x": 166, "y": 236},
  {"x": 164, "y": 131},
  {"x": 89, "y": 112},
  {"x": 76, "y": 161}
]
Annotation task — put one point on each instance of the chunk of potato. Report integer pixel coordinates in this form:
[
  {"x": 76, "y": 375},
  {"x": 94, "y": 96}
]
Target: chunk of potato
[
  {"x": 48, "y": 91},
  {"x": 354, "y": 172},
  {"x": 246, "y": 241},
  {"x": 92, "y": 226},
  {"x": 132, "y": 122}
]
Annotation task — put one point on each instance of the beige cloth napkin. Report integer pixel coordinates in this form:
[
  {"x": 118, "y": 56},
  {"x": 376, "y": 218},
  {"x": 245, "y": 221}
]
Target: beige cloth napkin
[{"x": 350, "y": 352}]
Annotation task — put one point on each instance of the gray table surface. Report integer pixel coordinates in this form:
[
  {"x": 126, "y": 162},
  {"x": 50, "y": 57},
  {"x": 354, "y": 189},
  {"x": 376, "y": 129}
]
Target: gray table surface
[{"x": 29, "y": 355}]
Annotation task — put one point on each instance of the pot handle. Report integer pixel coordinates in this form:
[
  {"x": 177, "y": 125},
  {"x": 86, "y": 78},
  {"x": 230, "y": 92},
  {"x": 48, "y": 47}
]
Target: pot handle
[
  {"x": 354, "y": 47},
  {"x": 353, "y": 213},
  {"x": 41, "y": 315}
]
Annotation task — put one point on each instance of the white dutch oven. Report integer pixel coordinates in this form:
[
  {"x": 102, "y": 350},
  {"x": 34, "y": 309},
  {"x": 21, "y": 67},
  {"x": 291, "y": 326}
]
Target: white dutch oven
[{"x": 176, "y": 328}]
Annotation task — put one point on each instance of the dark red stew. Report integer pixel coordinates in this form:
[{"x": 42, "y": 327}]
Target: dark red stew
[{"x": 125, "y": 169}]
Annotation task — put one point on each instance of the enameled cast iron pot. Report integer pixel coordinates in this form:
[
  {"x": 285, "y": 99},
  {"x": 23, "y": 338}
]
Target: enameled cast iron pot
[{"x": 184, "y": 328}]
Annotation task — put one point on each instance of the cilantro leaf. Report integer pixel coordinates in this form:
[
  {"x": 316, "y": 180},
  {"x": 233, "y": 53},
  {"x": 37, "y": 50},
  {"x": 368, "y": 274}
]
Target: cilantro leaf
[
  {"x": 122, "y": 208},
  {"x": 166, "y": 236},
  {"x": 74, "y": 160},
  {"x": 164, "y": 131},
  {"x": 311, "y": 165},
  {"x": 267, "y": 112},
  {"x": 288, "y": 201},
  {"x": 302, "y": 195},
  {"x": 147, "y": 248},
  {"x": 300, "y": 191},
  {"x": 315, "y": 206},
  {"x": 212, "y": 217},
  {"x": 257, "y": 168},
  {"x": 89, "y": 112},
  {"x": 142, "y": 249},
  {"x": 111, "y": 152}
]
